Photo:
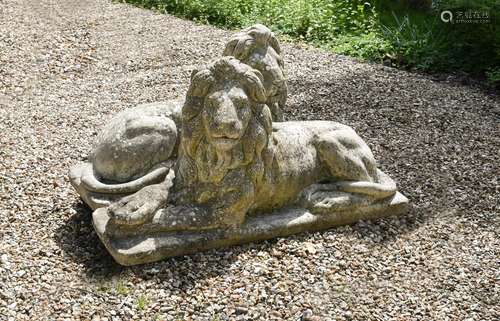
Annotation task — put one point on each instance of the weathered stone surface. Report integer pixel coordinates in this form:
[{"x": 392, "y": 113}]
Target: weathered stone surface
[
  {"x": 259, "y": 48},
  {"x": 135, "y": 141},
  {"x": 219, "y": 172},
  {"x": 134, "y": 150},
  {"x": 234, "y": 160},
  {"x": 137, "y": 248},
  {"x": 130, "y": 152}
]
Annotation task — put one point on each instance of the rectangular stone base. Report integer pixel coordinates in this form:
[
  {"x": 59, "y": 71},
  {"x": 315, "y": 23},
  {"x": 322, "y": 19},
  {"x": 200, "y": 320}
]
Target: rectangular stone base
[{"x": 133, "y": 250}]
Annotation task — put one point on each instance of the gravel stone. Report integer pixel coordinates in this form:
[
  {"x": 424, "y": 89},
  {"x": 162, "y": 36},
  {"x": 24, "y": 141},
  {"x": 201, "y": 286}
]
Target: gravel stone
[{"x": 66, "y": 67}]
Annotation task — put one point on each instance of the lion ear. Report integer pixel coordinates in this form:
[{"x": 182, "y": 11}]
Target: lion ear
[
  {"x": 200, "y": 82},
  {"x": 273, "y": 42},
  {"x": 230, "y": 47},
  {"x": 195, "y": 71}
]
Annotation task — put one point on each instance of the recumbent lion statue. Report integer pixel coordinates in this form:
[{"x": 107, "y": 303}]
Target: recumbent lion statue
[
  {"x": 139, "y": 145},
  {"x": 235, "y": 161}
]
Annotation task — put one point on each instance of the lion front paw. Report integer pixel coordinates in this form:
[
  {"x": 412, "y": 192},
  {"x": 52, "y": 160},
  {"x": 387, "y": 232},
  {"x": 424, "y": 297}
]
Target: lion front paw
[{"x": 138, "y": 208}]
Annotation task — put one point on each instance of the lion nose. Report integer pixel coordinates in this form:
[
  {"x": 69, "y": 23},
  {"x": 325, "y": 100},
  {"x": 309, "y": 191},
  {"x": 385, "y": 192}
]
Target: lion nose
[
  {"x": 226, "y": 122},
  {"x": 229, "y": 128}
]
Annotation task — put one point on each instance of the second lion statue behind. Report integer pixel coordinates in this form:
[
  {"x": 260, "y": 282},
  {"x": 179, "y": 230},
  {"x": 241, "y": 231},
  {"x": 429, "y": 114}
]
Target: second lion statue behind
[{"x": 235, "y": 161}]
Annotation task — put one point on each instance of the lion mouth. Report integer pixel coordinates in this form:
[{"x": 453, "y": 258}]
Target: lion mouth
[{"x": 224, "y": 143}]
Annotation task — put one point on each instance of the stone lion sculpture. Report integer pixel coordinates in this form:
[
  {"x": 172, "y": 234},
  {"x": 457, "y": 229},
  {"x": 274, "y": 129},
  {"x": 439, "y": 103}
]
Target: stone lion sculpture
[
  {"x": 166, "y": 181},
  {"x": 235, "y": 161},
  {"x": 138, "y": 146},
  {"x": 135, "y": 149}
]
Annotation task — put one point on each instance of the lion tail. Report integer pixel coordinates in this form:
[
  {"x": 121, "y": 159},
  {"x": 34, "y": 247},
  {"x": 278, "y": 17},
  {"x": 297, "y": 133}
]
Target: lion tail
[
  {"x": 91, "y": 183},
  {"x": 385, "y": 186}
]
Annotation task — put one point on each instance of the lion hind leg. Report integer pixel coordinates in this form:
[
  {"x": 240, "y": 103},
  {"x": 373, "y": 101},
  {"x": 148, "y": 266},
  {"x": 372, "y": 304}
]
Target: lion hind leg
[
  {"x": 345, "y": 195},
  {"x": 352, "y": 167}
]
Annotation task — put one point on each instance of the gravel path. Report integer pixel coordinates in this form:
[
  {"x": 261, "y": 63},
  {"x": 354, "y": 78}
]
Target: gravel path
[{"x": 68, "y": 66}]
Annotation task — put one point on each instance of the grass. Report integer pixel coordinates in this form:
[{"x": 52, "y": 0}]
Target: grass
[
  {"x": 103, "y": 286},
  {"x": 408, "y": 33},
  {"x": 121, "y": 288},
  {"x": 415, "y": 43},
  {"x": 215, "y": 317},
  {"x": 420, "y": 40},
  {"x": 142, "y": 302}
]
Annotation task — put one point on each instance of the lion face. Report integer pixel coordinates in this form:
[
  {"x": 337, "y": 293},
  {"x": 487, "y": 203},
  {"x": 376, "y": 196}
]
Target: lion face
[
  {"x": 225, "y": 125},
  {"x": 226, "y": 115}
]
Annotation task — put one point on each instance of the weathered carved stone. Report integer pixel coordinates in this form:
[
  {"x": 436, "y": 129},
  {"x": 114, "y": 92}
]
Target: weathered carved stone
[
  {"x": 235, "y": 161},
  {"x": 135, "y": 149},
  {"x": 236, "y": 175},
  {"x": 135, "y": 141},
  {"x": 257, "y": 47},
  {"x": 131, "y": 151},
  {"x": 142, "y": 245}
]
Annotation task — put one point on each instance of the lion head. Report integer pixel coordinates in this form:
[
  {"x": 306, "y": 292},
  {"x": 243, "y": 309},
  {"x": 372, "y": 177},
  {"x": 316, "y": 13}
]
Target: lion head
[
  {"x": 257, "y": 47},
  {"x": 225, "y": 127}
]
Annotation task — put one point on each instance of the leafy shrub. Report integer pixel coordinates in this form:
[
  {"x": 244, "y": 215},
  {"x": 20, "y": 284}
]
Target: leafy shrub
[
  {"x": 368, "y": 46},
  {"x": 473, "y": 47},
  {"x": 493, "y": 76},
  {"x": 319, "y": 20},
  {"x": 409, "y": 32},
  {"x": 346, "y": 27},
  {"x": 414, "y": 44},
  {"x": 419, "y": 39}
]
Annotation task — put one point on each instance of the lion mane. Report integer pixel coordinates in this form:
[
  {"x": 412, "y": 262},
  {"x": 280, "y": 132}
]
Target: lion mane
[
  {"x": 259, "y": 48},
  {"x": 202, "y": 168}
]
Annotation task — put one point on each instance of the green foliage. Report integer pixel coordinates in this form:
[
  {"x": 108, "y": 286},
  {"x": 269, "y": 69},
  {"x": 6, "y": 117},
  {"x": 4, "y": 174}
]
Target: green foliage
[
  {"x": 320, "y": 20},
  {"x": 316, "y": 20},
  {"x": 493, "y": 76},
  {"x": 472, "y": 47},
  {"x": 215, "y": 317},
  {"x": 346, "y": 27},
  {"x": 412, "y": 44},
  {"x": 419, "y": 39},
  {"x": 408, "y": 32},
  {"x": 142, "y": 302},
  {"x": 368, "y": 46},
  {"x": 121, "y": 288},
  {"x": 466, "y": 4}
]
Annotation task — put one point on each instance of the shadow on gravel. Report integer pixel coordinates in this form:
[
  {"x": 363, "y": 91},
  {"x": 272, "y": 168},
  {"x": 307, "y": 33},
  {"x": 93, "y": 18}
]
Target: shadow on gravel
[
  {"x": 77, "y": 238},
  {"x": 79, "y": 242},
  {"x": 438, "y": 147},
  {"x": 436, "y": 140}
]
